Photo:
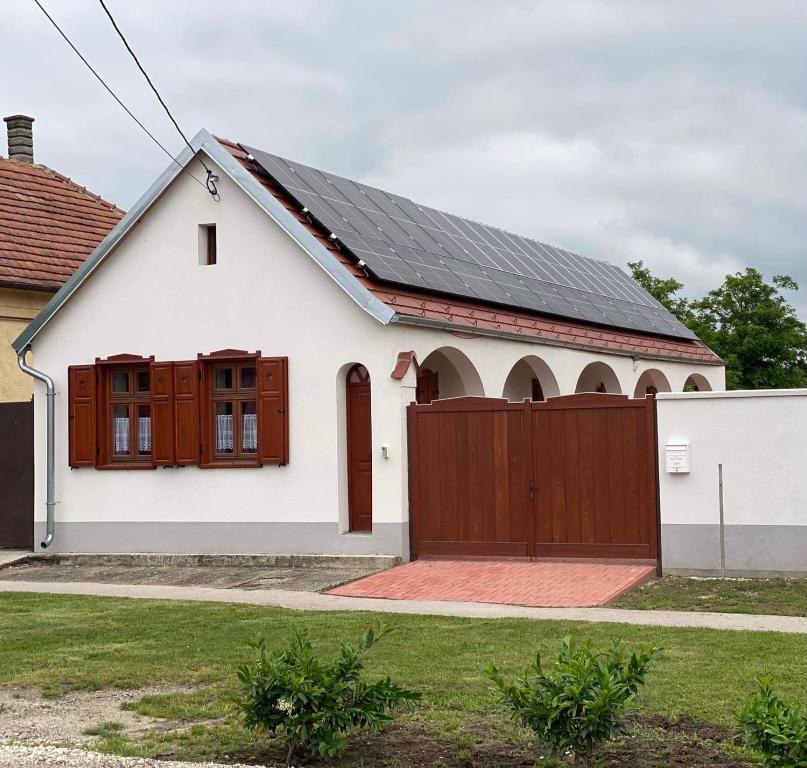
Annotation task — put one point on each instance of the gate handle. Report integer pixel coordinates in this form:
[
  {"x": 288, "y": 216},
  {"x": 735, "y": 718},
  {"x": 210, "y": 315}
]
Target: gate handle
[{"x": 531, "y": 490}]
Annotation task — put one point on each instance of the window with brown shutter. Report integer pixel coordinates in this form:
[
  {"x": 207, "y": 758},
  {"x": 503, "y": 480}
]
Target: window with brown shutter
[
  {"x": 245, "y": 409},
  {"x": 226, "y": 409}
]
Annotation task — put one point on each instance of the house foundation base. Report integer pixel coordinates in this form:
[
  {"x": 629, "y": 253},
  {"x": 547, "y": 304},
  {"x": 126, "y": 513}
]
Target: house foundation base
[{"x": 236, "y": 538}]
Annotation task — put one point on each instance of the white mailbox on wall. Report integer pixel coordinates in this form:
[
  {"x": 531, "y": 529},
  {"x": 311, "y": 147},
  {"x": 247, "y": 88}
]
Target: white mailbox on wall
[{"x": 677, "y": 458}]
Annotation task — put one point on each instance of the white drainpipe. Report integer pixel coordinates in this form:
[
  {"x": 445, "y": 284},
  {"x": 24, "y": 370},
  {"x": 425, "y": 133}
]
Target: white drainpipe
[{"x": 50, "y": 394}]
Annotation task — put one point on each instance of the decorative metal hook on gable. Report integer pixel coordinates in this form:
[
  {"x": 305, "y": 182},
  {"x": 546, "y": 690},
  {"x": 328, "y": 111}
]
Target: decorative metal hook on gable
[{"x": 211, "y": 184}]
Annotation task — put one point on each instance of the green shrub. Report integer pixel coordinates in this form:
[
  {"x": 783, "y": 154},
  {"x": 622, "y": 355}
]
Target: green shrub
[
  {"x": 311, "y": 703},
  {"x": 778, "y": 730},
  {"x": 580, "y": 702}
]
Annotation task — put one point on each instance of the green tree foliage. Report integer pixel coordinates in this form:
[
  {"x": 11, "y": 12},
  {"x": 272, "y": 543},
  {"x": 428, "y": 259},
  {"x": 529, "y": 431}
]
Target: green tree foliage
[
  {"x": 752, "y": 327},
  {"x": 664, "y": 289},
  {"x": 579, "y": 702},
  {"x": 747, "y": 321}
]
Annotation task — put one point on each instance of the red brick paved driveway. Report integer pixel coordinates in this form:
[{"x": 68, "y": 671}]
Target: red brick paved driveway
[{"x": 544, "y": 583}]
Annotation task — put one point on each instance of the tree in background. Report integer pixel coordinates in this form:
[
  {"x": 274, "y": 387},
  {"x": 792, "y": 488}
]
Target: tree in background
[
  {"x": 746, "y": 321},
  {"x": 662, "y": 289}
]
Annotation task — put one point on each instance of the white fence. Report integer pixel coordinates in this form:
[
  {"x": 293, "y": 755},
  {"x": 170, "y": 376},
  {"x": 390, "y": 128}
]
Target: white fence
[{"x": 760, "y": 439}]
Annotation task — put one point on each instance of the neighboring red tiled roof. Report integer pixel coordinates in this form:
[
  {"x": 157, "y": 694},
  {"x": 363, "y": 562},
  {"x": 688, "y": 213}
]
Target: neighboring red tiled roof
[
  {"x": 48, "y": 225},
  {"x": 466, "y": 313}
]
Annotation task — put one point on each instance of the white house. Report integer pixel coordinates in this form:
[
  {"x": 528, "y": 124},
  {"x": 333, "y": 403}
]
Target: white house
[{"x": 231, "y": 372}]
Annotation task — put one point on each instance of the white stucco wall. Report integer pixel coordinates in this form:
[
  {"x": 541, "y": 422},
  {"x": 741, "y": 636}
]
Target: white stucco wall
[
  {"x": 760, "y": 438},
  {"x": 151, "y": 297}
]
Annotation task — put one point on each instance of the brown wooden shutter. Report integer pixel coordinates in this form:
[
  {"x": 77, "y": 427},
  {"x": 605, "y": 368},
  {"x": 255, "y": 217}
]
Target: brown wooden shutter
[
  {"x": 186, "y": 412},
  {"x": 83, "y": 446},
  {"x": 162, "y": 414},
  {"x": 273, "y": 410}
]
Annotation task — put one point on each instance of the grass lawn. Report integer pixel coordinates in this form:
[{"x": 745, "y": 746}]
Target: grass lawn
[
  {"x": 63, "y": 643},
  {"x": 783, "y": 597}
]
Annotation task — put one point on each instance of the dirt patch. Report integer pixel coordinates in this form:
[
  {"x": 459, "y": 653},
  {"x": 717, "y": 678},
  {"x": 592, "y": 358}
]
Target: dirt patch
[
  {"x": 408, "y": 746},
  {"x": 27, "y": 717},
  {"x": 690, "y": 728}
]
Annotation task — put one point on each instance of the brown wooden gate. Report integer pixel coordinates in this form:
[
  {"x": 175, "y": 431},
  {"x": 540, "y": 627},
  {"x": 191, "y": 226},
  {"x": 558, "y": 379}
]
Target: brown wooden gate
[
  {"x": 569, "y": 477},
  {"x": 17, "y": 475}
]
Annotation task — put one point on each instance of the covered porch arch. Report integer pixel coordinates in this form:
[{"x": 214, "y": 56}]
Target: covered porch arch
[
  {"x": 530, "y": 379},
  {"x": 446, "y": 372},
  {"x": 598, "y": 377}
]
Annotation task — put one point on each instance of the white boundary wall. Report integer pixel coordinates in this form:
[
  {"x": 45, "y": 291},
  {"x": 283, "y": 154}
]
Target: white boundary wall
[{"x": 760, "y": 438}]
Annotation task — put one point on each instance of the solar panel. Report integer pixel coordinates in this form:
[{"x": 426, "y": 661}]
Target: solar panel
[{"x": 402, "y": 242}]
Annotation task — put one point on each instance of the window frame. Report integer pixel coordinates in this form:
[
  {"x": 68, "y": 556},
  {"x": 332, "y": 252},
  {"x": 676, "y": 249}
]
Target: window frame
[
  {"x": 108, "y": 399},
  {"x": 237, "y": 360}
]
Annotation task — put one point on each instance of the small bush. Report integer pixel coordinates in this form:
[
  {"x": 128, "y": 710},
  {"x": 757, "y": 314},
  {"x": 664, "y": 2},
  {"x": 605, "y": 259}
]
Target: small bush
[
  {"x": 778, "y": 730},
  {"x": 311, "y": 703},
  {"x": 581, "y": 702}
]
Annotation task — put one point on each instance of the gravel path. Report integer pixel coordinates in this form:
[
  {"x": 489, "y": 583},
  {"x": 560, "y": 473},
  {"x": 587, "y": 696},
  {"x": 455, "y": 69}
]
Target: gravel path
[
  {"x": 15, "y": 756},
  {"x": 26, "y": 717}
]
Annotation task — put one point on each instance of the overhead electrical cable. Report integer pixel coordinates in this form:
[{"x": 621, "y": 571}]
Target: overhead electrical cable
[
  {"x": 211, "y": 178},
  {"x": 111, "y": 92}
]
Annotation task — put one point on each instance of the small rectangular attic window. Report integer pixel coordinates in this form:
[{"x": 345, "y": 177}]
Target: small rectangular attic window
[{"x": 207, "y": 245}]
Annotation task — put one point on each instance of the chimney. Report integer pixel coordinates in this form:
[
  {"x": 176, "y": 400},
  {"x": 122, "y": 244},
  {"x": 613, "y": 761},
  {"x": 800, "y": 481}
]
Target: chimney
[{"x": 20, "y": 138}]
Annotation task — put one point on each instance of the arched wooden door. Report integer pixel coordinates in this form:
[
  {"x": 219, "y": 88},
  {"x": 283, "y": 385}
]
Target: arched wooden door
[{"x": 359, "y": 450}]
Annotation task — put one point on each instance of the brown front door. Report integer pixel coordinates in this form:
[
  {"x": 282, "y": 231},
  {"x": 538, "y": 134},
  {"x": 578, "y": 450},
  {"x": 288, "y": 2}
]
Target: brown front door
[{"x": 359, "y": 450}]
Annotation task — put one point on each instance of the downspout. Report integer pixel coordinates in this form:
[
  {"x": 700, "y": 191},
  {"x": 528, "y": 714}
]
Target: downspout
[{"x": 50, "y": 395}]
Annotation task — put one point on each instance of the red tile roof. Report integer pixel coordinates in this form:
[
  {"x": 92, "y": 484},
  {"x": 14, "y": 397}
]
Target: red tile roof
[
  {"x": 48, "y": 225},
  {"x": 467, "y": 314}
]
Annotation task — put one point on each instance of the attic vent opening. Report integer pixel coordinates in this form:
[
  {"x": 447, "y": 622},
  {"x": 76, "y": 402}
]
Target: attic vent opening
[{"x": 207, "y": 245}]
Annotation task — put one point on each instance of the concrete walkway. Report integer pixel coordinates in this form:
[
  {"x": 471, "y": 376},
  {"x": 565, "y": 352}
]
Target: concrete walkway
[{"x": 313, "y": 601}]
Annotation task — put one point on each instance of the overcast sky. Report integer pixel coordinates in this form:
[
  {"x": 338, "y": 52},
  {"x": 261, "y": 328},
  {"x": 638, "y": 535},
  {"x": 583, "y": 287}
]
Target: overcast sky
[{"x": 673, "y": 132}]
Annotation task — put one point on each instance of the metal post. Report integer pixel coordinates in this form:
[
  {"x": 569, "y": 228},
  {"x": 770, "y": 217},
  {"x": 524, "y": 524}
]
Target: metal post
[{"x": 722, "y": 525}]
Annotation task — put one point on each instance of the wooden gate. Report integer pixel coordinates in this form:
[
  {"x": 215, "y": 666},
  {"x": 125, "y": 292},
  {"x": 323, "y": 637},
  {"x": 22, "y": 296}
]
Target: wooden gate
[
  {"x": 569, "y": 477},
  {"x": 17, "y": 475}
]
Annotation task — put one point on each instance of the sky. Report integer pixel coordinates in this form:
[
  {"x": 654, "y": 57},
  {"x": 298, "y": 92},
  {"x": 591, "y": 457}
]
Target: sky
[{"x": 671, "y": 132}]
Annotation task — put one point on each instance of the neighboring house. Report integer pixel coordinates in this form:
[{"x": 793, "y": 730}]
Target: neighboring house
[
  {"x": 277, "y": 334},
  {"x": 48, "y": 226}
]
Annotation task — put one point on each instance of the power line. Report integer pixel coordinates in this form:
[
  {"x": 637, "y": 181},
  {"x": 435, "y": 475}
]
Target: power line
[
  {"x": 112, "y": 93},
  {"x": 211, "y": 186}
]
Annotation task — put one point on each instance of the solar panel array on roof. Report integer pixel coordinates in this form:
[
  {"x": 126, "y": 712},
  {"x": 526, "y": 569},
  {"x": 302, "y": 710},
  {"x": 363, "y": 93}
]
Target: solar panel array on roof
[{"x": 402, "y": 242}]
